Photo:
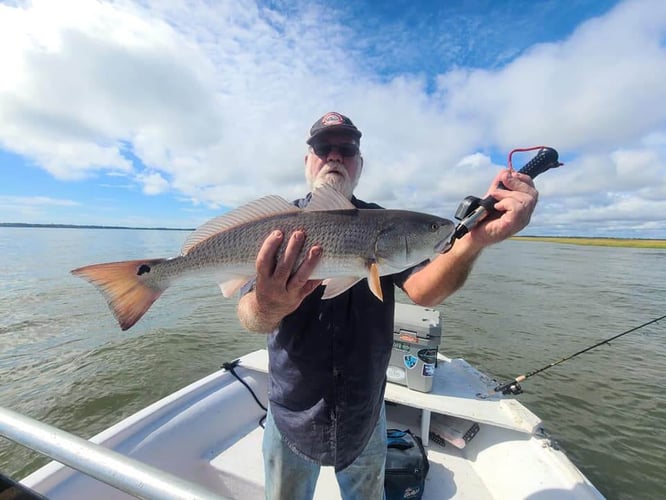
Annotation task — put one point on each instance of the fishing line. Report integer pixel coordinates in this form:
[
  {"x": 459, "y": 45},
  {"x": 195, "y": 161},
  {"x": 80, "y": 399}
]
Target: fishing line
[{"x": 513, "y": 387}]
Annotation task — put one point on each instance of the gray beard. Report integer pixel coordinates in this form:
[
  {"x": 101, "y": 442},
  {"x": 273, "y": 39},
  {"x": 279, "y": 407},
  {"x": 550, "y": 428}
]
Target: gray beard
[{"x": 340, "y": 182}]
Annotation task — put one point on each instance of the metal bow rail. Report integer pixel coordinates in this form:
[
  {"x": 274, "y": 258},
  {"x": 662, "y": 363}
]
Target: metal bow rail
[{"x": 123, "y": 473}]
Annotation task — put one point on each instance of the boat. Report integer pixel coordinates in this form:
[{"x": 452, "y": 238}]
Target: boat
[{"x": 204, "y": 441}]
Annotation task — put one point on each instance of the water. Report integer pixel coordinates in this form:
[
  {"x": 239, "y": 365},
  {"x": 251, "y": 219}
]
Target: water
[{"x": 64, "y": 360}]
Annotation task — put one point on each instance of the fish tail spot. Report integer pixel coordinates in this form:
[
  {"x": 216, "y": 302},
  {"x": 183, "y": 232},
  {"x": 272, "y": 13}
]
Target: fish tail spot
[
  {"x": 143, "y": 269},
  {"x": 126, "y": 293}
]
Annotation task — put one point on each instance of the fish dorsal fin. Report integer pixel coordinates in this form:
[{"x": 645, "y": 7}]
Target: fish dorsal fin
[
  {"x": 327, "y": 198},
  {"x": 257, "y": 209}
]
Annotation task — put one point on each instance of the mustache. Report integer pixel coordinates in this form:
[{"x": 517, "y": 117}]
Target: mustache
[{"x": 336, "y": 167}]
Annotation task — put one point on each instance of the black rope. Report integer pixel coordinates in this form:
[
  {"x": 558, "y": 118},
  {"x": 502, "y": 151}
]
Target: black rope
[
  {"x": 513, "y": 387},
  {"x": 229, "y": 366}
]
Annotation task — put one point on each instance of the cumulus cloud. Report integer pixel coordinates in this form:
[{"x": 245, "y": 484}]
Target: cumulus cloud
[
  {"x": 214, "y": 101},
  {"x": 153, "y": 183}
]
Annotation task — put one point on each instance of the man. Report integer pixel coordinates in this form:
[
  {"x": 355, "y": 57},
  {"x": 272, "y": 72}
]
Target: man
[{"x": 328, "y": 358}]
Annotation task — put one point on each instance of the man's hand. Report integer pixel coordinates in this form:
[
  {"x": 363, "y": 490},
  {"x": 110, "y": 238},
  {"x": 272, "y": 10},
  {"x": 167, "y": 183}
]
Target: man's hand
[
  {"x": 515, "y": 205},
  {"x": 279, "y": 288},
  {"x": 447, "y": 272}
]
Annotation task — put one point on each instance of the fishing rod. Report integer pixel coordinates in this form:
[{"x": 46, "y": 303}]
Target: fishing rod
[
  {"x": 513, "y": 387},
  {"x": 473, "y": 210}
]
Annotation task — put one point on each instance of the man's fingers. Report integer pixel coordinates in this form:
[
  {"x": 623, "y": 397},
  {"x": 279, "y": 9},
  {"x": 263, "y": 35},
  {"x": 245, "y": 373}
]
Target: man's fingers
[
  {"x": 525, "y": 197},
  {"x": 514, "y": 204},
  {"x": 302, "y": 275},
  {"x": 310, "y": 287},
  {"x": 277, "y": 275},
  {"x": 285, "y": 265},
  {"x": 267, "y": 253},
  {"x": 515, "y": 181}
]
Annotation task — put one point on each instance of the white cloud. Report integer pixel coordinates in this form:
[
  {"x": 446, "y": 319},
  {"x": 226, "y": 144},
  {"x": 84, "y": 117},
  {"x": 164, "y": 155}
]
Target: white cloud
[
  {"x": 600, "y": 87},
  {"x": 91, "y": 76},
  {"x": 32, "y": 208},
  {"x": 36, "y": 201},
  {"x": 216, "y": 100},
  {"x": 153, "y": 183}
]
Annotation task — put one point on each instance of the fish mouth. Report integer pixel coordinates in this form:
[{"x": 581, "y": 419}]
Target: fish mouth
[{"x": 444, "y": 245}]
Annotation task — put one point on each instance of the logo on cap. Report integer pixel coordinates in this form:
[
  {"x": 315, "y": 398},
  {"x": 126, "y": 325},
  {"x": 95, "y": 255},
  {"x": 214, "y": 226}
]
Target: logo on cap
[{"x": 332, "y": 119}]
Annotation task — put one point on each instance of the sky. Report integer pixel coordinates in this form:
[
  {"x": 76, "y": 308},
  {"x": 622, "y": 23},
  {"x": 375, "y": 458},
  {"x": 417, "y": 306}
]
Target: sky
[{"x": 167, "y": 113}]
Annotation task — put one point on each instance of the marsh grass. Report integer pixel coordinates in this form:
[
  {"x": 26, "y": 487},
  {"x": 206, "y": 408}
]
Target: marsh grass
[{"x": 601, "y": 242}]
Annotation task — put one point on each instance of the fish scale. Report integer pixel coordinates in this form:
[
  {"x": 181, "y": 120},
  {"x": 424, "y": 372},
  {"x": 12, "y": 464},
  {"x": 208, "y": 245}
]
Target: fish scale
[{"x": 240, "y": 246}]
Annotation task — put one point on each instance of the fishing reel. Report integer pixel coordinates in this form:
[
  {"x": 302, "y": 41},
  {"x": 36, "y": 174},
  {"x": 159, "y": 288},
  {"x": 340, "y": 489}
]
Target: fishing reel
[
  {"x": 512, "y": 388},
  {"x": 467, "y": 206}
]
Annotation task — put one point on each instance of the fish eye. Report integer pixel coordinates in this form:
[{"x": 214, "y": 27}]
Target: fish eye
[{"x": 434, "y": 227}]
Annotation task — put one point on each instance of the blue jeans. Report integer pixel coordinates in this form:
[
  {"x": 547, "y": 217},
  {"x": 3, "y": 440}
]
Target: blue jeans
[{"x": 290, "y": 476}]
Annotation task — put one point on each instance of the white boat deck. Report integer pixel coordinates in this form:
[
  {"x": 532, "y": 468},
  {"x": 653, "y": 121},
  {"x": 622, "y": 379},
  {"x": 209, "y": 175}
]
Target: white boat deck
[
  {"x": 209, "y": 433},
  {"x": 455, "y": 386},
  {"x": 242, "y": 466},
  {"x": 449, "y": 466}
]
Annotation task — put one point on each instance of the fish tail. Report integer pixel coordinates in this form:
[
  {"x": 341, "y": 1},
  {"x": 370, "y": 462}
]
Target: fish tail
[{"x": 124, "y": 287}]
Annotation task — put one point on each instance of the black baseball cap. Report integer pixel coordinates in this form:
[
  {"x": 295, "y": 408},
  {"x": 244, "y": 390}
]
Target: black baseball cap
[{"x": 332, "y": 122}]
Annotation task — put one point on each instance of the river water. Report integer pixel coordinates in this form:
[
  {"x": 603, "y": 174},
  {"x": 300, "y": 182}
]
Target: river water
[{"x": 526, "y": 304}]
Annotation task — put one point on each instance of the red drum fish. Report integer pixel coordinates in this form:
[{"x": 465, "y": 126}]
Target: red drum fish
[{"x": 356, "y": 243}]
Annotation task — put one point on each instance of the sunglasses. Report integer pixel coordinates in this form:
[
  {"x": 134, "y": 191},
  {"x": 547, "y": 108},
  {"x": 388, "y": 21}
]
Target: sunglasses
[{"x": 347, "y": 150}]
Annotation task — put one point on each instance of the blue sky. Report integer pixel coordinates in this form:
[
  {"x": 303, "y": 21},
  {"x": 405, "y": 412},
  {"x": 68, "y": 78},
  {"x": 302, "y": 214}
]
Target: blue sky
[{"x": 167, "y": 113}]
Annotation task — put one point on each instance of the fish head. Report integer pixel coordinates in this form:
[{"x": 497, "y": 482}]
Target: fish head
[{"x": 409, "y": 238}]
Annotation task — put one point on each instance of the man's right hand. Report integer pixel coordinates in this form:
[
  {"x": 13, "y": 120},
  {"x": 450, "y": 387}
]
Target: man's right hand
[{"x": 280, "y": 287}]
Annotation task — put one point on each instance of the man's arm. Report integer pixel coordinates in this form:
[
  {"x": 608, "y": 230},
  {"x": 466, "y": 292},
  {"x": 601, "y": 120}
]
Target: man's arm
[
  {"x": 278, "y": 290},
  {"x": 447, "y": 273}
]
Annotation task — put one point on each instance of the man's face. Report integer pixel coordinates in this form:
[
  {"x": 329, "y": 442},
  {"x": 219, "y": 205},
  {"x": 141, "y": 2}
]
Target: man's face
[{"x": 334, "y": 160}]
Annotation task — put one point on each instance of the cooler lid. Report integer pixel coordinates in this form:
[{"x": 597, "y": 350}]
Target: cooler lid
[{"x": 422, "y": 321}]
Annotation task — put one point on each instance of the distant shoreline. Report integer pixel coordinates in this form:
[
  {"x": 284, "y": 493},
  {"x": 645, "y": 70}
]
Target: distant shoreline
[
  {"x": 78, "y": 226},
  {"x": 600, "y": 242},
  {"x": 569, "y": 240}
]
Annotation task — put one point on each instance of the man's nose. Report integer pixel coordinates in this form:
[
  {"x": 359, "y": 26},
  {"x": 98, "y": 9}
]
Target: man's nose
[{"x": 334, "y": 155}]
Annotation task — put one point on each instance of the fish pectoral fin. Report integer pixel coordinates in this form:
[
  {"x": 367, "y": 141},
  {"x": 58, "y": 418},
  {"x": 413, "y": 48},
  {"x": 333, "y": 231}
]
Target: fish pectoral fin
[
  {"x": 374, "y": 282},
  {"x": 336, "y": 286},
  {"x": 231, "y": 286}
]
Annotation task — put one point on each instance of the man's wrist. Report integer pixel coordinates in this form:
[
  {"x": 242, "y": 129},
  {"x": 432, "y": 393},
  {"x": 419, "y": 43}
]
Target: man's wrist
[{"x": 256, "y": 318}]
